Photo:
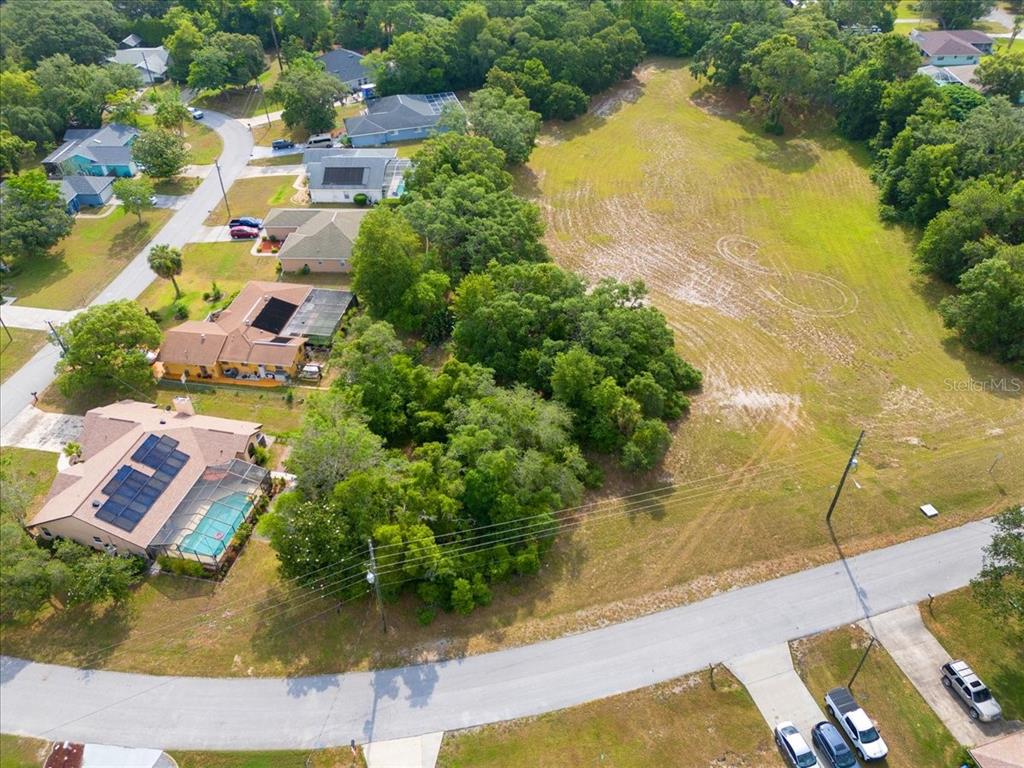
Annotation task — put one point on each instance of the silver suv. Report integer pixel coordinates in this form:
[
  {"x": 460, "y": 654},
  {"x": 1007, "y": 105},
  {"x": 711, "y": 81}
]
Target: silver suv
[{"x": 960, "y": 678}]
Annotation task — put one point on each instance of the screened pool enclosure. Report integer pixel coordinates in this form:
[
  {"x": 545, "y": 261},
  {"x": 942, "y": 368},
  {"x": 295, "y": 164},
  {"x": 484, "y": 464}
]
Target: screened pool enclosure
[{"x": 202, "y": 525}]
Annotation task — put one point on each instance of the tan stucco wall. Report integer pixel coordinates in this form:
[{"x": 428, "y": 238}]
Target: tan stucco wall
[
  {"x": 83, "y": 532},
  {"x": 327, "y": 265}
]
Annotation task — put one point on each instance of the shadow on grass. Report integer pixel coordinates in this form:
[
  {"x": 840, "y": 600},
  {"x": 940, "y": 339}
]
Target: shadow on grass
[
  {"x": 128, "y": 241},
  {"x": 83, "y": 636}
]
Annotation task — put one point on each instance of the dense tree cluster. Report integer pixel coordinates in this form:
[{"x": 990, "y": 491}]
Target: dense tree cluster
[
  {"x": 307, "y": 93},
  {"x": 34, "y": 216}
]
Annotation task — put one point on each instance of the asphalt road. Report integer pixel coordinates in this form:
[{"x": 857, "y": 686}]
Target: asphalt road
[
  {"x": 37, "y": 374},
  {"x": 253, "y": 713}
]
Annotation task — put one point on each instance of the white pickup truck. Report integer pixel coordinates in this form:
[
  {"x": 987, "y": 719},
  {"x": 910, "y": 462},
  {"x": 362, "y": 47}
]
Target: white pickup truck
[{"x": 863, "y": 734}]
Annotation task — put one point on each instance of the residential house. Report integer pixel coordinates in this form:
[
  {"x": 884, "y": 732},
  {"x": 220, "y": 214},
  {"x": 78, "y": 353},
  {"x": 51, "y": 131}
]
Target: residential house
[
  {"x": 151, "y": 63},
  {"x": 952, "y": 47},
  {"x": 398, "y": 118},
  {"x": 154, "y": 480},
  {"x": 86, "y": 191},
  {"x": 132, "y": 41},
  {"x": 313, "y": 238},
  {"x": 105, "y": 151},
  {"x": 962, "y": 74},
  {"x": 347, "y": 66},
  {"x": 338, "y": 174},
  {"x": 260, "y": 338}
]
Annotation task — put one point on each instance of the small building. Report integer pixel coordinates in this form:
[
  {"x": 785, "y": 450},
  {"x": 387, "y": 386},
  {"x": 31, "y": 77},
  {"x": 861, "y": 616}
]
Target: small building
[
  {"x": 338, "y": 175},
  {"x": 151, "y": 63},
  {"x": 347, "y": 66},
  {"x": 105, "y": 151},
  {"x": 86, "y": 191},
  {"x": 406, "y": 117},
  {"x": 314, "y": 238},
  {"x": 952, "y": 47},
  {"x": 260, "y": 338},
  {"x": 132, "y": 41},
  {"x": 155, "y": 481}
]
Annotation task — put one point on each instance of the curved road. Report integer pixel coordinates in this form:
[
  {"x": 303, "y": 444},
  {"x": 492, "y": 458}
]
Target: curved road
[
  {"x": 37, "y": 374},
  {"x": 61, "y": 703}
]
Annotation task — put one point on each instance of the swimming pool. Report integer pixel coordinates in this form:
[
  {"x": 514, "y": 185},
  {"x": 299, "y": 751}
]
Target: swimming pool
[{"x": 218, "y": 525}]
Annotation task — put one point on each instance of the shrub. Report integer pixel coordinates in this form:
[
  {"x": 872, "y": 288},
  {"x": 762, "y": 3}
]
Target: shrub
[
  {"x": 182, "y": 567},
  {"x": 260, "y": 455},
  {"x": 180, "y": 310},
  {"x": 360, "y": 198},
  {"x": 215, "y": 292},
  {"x": 462, "y": 596},
  {"x": 289, "y": 397},
  {"x": 305, "y": 269},
  {"x": 72, "y": 450},
  {"x": 426, "y": 615}
]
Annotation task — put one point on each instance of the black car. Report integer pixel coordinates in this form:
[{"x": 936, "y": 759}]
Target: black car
[
  {"x": 282, "y": 144},
  {"x": 831, "y": 744},
  {"x": 246, "y": 221}
]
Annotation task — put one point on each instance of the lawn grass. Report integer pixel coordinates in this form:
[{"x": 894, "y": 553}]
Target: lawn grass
[
  {"x": 908, "y": 9},
  {"x": 79, "y": 266},
  {"x": 177, "y": 185},
  {"x": 254, "y": 197},
  {"x": 994, "y": 647},
  {"x": 269, "y": 407},
  {"x": 680, "y": 722},
  {"x": 292, "y": 159},
  {"x": 33, "y": 472},
  {"x": 21, "y": 751},
  {"x": 264, "y": 134},
  {"x": 18, "y": 348},
  {"x": 1003, "y": 45},
  {"x": 340, "y": 757},
  {"x": 204, "y": 143},
  {"x": 243, "y": 102},
  {"x": 912, "y": 731}
]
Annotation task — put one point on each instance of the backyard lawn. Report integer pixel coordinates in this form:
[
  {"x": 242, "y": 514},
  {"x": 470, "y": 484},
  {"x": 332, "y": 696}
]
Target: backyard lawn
[
  {"x": 18, "y": 348},
  {"x": 993, "y": 647},
  {"x": 269, "y": 407},
  {"x": 254, "y": 197},
  {"x": 36, "y": 470},
  {"x": 680, "y": 722},
  {"x": 913, "y": 732},
  {"x": 80, "y": 266}
]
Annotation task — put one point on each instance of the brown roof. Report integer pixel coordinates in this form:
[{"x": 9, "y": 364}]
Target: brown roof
[
  {"x": 193, "y": 343},
  {"x": 951, "y": 42},
  {"x": 1006, "y": 752}
]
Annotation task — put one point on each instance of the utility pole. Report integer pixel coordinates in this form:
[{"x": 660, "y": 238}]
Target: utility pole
[
  {"x": 371, "y": 577},
  {"x": 862, "y": 660},
  {"x": 216, "y": 164},
  {"x": 273, "y": 34},
  {"x": 60, "y": 341},
  {"x": 849, "y": 465}
]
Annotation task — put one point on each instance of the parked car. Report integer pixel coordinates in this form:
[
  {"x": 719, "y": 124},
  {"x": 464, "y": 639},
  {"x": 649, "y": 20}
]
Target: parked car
[
  {"x": 241, "y": 233},
  {"x": 197, "y": 114},
  {"x": 246, "y": 221},
  {"x": 320, "y": 140},
  {"x": 862, "y": 732},
  {"x": 793, "y": 746},
  {"x": 282, "y": 144},
  {"x": 829, "y": 741},
  {"x": 961, "y": 679}
]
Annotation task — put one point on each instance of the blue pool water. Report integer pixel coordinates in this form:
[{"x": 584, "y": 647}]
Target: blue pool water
[{"x": 218, "y": 525}]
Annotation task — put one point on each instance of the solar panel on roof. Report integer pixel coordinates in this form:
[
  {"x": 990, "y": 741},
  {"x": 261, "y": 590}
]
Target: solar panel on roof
[
  {"x": 274, "y": 315},
  {"x": 132, "y": 493},
  {"x": 115, "y": 482},
  {"x": 347, "y": 175},
  {"x": 154, "y": 450},
  {"x": 143, "y": 450}
]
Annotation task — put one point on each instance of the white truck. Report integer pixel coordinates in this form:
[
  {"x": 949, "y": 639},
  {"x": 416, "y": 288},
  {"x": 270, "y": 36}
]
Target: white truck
[{"x": 862, "y": 732}]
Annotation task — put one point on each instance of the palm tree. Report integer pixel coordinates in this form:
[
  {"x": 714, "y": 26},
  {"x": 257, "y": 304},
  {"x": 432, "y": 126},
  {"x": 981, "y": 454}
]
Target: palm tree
[
  {"x": 166, "y": 262},
  {"x": 1018, "y": 23}
]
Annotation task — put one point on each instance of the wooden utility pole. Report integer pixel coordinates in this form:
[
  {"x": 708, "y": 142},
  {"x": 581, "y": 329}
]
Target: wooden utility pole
[
  {"x": 371, "y": 577},
  {"x": 842, "y": 481}
]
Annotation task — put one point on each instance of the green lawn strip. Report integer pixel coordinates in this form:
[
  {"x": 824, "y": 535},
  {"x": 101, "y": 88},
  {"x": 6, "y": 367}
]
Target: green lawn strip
[
  {"x": 267, "y": 406},
  {"x": 913, "y": 732},
  {"x": 254, "y": 197},
  {"x": 177, "y": 186},
  {"x": 204, "y": 143},
  {"x": 680, "y": 722},
  {"x": 17, "y": 348},
  {"x": 339, "y": 757},
  {"x": 80, "y": 266},
  {"x": 292, "y": 159},
  {"x": 994, "y": 647},
  {"x": 36, "y": 469},
  {"x": 22, "y": 751}
]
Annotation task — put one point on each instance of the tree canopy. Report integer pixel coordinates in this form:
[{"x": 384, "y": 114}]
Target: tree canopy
[
  {"x": 1000, "y": 585},
  {"x": 35, "y": 216},
  {"x": 162, "y": 153},
  {"x": 308, "y": 93}
]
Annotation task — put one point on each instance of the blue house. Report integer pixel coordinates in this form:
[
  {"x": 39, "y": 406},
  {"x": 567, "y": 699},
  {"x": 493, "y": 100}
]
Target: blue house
[
  {"x": 105, "y": 151},
  {"x": 398, "y": 118},
  {"x": 82, "y": 191}
]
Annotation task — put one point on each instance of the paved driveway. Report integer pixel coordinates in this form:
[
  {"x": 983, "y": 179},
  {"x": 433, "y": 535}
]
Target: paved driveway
[{"x": 41, "y": 430}]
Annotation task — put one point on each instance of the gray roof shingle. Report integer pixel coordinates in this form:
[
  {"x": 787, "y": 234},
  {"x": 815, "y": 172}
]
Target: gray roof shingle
[{"x": 345, "y": 65}]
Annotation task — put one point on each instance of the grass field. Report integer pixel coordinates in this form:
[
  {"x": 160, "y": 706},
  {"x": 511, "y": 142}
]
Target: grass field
[
  {"x": 204, "y": 143},
  {"x": 993, "y": 647},
  {"x": 341, "y": 757},
  {"x": 679, "y": 723},
  {"x": 267, "y": 406},
  {"x": 254, "y": 197},
  {"x": 22, "y": 752},
  {"x": 80, "y": 265},
  {"x": 35, "y": 469},
  {"x": 18, "y": 348},
  {"x": 912, "y": 731}
]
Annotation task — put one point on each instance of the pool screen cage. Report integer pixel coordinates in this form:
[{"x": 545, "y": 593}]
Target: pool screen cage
[{"x": 202, "y": 525}]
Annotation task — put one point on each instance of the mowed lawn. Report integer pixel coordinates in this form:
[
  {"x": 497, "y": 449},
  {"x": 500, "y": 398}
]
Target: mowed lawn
[
  {"x": 81, "y": 264},
  {"x": 264, "y": 133},
  {"x": 269, "y": 407},
  {"x": 22, "y": 752},
  {"x": 244, "y": 102},
  {"x": 254, "y": 197},
  {"x": 18, "y": 348},
  {"x": 993, "y": 646},
  {"x": 912, "y": 731},
  {"x": 339, "y": 757},
  {"x": 682, "y": 722},
  {"x": 35, "y": 471},
  {"x": 204, "y": 143}
]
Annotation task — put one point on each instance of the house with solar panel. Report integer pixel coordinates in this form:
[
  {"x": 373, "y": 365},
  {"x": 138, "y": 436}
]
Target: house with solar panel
[
  {"x": 261, "y": 338},
  {"x": 406, "y": 117},
  {"x": 154, "y": 481}
]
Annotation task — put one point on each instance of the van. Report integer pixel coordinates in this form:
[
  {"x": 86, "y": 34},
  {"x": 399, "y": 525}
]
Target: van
[{"x": 320, "y": 140}]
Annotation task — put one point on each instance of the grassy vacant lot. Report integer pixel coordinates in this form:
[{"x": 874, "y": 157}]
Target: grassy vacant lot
[
  {"x": 18, "y": 348},
  {"x": 254, "y": 197},
  {"x": 993, "y": 647},
  {"x": 86, "y": 260},
  {"x": 22, "y": 752},
  {"x": 267, "y": 406},
  {"x": 243, "y": 102},
  {"x": 682, "y": 722},
  {"x": 340, "y": 757},
  {"x": 914, "y": 734}
]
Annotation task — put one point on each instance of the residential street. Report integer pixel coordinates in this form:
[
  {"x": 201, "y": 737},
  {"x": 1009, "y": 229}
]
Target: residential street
[
  {"x": 209, "y": 713},
  {"x": 37, "y": 373}
]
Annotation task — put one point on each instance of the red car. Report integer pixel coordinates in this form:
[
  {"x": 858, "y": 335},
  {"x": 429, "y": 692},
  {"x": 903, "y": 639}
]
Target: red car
[{"x": 241, "y": 233}]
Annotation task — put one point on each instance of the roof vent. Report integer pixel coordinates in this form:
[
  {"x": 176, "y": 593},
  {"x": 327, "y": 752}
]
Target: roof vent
[
  {"x": 163, "y": 421},
  {"x": 95, "y": 504}
]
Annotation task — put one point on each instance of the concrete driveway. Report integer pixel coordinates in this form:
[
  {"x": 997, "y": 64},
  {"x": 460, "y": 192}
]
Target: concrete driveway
[
  {"x": 41, "y": 430},
  {"x": 916, "y": 651},
  {"x": 259, "y": 153}
]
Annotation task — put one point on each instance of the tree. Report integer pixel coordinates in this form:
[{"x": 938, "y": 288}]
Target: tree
[
  {"x": 1000, "y": 585},
  {"x": 82, "y": 30},
  {"x": 12, "y": 151},
  {"x": 23, "y": 111},
  {"x": 449, "y": 155},
  {"x": 165, "y": 261},
  {"x": 506, "y": 120},
  {"x": 107, "y": 347},
  {"x": 226, "y": 59},
  {"x": 123, "y": 107},
  {"x": 1003, "y": 74},
  {"x": 170, "y": 112},
  {"x": 35, "y": 216},
  {"x": 566, "y": 101},
  {"x": 79, "y": 93},
  {"x": 160, "y": 152},
  {"x": 864, "y": 13},
  {"x": 135, "y": 194},
  {"x": 306, "y": 20},
  {"x": 308, "y": 93},
  {"x": 181, "y": 46},
  {"x": 386, "y": 261},
  {"x": 93, "y": 577},
  {"x": 646, "y": 446},
  {"x": 782, "y": 75},
  {"x": 955, "y": 14}
]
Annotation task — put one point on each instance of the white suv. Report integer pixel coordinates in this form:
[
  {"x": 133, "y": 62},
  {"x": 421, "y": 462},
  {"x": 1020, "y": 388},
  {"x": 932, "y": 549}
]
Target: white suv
[{"x": 793, "y": 746}]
